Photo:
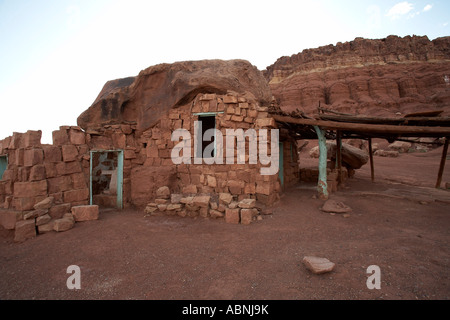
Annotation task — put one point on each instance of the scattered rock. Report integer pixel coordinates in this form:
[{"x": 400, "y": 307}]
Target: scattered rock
[
  {"x": 175, "y": 198},
  {"x": 34, "y": 214},
  {"x": 233, "y": 205},
  {"x": 247, "y": 215},
  {"x": 44, "y": 204},
  {"x": 400, "y": 146},
  {"x": 225, "y": 198},
  {"x": 25, "y": 229},
  {"x": 384, "y": 153},
  {"x": 162, "y": 207},
  {"x": 216, "y": 214},
  {"x": 247, "y": 203},
  {"x": 150, "y": 209},
  {"x": 43, "y": 219},
  {"x": 174, "y": 207},
  {"x": 318, "y": 265},
  {"x": 334, "y": 206},
  {"x": 201, "y": 201},
  {"x": 48, "y": 227},
  {"x": 64, "y": 224}
]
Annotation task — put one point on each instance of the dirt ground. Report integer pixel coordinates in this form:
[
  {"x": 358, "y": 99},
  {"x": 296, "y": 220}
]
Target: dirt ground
[{"x": 399, "y": 223}]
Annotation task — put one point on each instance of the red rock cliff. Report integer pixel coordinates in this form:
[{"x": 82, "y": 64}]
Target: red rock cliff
[{"x": 384, "y": 77}]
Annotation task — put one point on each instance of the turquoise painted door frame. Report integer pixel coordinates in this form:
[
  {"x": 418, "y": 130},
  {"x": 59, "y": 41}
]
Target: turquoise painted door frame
[
  {"x": 119, "y": 203},
  {"x": 3, "y": 165}
]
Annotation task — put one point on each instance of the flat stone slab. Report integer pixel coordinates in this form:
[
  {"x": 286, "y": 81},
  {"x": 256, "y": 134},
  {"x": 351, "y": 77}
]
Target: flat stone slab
[{"x": 318, "y": 265}]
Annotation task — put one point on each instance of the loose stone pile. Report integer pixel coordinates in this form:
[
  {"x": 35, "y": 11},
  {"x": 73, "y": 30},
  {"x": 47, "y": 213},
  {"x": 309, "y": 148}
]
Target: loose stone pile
[{"x": 221, "y": 206}]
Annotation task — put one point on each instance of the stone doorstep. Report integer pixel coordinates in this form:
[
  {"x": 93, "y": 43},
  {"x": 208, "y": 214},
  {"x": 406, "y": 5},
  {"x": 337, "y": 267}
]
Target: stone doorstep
[{"x": 85, "y": 212}]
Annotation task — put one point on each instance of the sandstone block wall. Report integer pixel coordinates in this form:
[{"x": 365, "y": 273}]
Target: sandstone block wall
[
  {"x": 37, "y": 172},
  {"x": 231, "y": 111}
]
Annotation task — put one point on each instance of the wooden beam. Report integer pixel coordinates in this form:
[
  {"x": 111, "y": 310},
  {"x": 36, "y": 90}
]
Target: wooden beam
[
  {"x": 368, "y": 128},
  {"x": 372, "y": 171},
  {"x": 442, "y": 164}
]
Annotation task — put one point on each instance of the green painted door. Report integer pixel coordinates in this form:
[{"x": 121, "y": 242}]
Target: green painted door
[{"x": 3, "y": 165}]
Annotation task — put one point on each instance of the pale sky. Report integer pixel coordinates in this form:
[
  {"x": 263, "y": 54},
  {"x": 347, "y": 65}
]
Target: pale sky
[{"x": 56, "y": 55}]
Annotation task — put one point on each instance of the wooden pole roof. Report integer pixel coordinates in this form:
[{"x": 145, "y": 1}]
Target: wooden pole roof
[{"x": 370, "y": 129}]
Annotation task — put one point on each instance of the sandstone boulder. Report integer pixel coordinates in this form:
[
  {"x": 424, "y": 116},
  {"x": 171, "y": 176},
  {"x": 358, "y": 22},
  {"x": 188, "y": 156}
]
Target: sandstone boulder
[
  {"x": 140, "y": 98},
  {"x": 333, "y": 206},
  {"x": 352, "y": 157}
]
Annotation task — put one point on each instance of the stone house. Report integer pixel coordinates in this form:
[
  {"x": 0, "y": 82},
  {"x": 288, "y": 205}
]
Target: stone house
[{"x": 121, "y": 154}]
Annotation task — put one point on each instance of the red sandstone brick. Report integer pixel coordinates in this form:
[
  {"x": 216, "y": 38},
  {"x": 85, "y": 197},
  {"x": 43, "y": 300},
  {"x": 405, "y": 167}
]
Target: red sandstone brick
[
  {"x": 37, "y": 173},
  {"x": 85, "y": 213},
  {"x": 57, "y": 211},
  {"x": 64, "y": 168},
  {"x": 19, "y": 157},
  {"x": 77, "y": 137},
  {"x": 23, "y": 204},
  {"x": 32, "y": 138},
  {"x": 69, "y": 153},
  {"x": 58, "y": 184},
  {"x": 52, "y": 154},
  {"x": 33, "y": 157},
  {"x": 30, "y": 189},
  {"x": 232, "y": 216},
  {"x": 247, "y": 215},
  {"x": 73, "y": 196},
  {"x": 25, "y": 229},
  {"x": 60, "y": 137}
]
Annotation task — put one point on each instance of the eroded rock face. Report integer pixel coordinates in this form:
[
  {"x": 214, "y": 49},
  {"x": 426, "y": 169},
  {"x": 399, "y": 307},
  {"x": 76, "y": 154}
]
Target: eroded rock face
[
  {"x": 385, "y": 77},
  {"x": 149, "y": 96}
]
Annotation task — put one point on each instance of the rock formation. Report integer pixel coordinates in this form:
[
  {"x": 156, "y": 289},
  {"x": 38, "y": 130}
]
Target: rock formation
[
  {"x": 156, "y": 90},
  {"x": 384, "y": 77}
]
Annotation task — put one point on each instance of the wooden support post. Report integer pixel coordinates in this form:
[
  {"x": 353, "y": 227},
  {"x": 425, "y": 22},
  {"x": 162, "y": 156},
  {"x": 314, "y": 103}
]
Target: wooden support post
[
  {"x": 339, "y": 155},
  {"x": 322, "y": 186},
  {"x": 372, "y": 171},
  {"x": 442, "y": 165}
]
